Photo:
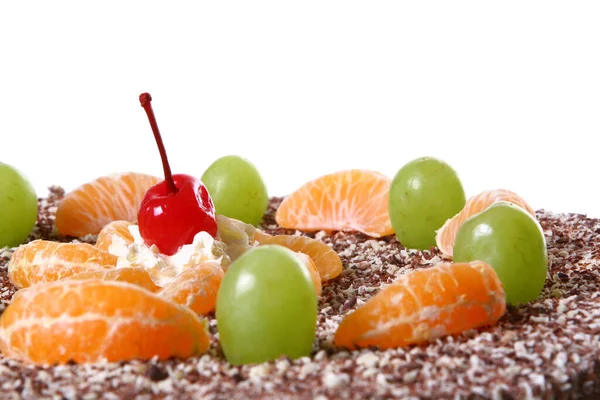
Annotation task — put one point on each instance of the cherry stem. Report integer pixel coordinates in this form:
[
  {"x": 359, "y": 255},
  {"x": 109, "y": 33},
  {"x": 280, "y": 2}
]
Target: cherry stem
[{"x": 145, "y": 100}]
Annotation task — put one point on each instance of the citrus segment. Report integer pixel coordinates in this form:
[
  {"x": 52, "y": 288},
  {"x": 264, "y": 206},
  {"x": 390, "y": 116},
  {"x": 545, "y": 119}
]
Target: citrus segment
[
  {"x": 42, "y": 261},
  {"x": 91, "y": 320},
  {"x": 312, "y": 270},
  {"x": 136, "y": 276},
  {"x": 116, "y": 232},
  {"x": 327, "y": 261},
  {"x": 353, "y": 200},
  {"x": 446, "y": 235},
  {"x": 196, "y": 287},
  {"x": 424, "y": 305},
  {"x": 89, "y": 207}
]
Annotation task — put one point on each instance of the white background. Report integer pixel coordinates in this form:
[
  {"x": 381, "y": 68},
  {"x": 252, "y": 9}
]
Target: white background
[{"x": 506, "y": 92}]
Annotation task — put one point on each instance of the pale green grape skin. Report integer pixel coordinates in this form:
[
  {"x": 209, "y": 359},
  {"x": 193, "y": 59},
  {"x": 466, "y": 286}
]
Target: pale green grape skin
[
  {"x": 424, "y": 193},
  {"x": 18, "y": 206},
  {"x": 266, "y": 307},
  {"x": 237, "y": 189},
  {"x": 512, "y": 242}
]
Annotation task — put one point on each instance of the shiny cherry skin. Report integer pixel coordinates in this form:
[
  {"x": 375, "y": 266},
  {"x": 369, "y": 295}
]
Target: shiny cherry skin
[
  {"x": 173, "y": 211},
  {"x": 170, "y": 220}
]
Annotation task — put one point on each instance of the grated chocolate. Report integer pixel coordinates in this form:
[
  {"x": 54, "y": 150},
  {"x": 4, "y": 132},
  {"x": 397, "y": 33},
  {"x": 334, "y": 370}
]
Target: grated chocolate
[{"x": 549, "y": 348}]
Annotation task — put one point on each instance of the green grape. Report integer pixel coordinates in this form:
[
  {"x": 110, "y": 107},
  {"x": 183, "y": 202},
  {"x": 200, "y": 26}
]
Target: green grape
[
  {"x": 237, "y": 189},
  {"x": 18, "y": 206},
  {"x": 424, "y": 194},
  {"x": 266, "y": 307},
  {"x": 512, "y": 242}
]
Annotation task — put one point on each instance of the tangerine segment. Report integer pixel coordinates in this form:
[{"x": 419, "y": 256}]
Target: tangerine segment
[
  {"x": 42, "y": 261},
  {"x": 136, "y": 276},
  {"x": 312, "y": 270},
  {"x": 423, "y": 305},
  {"x": 353, "y": 200},
  {"x": 116, "y": 232},
  {"x": 446, "y": 235},
  {"x": 91, "y": 320},
  {"x": 196, "y": 287},
  {"x": 89, "y": 207},
  {"x": 327, "y": 261}
]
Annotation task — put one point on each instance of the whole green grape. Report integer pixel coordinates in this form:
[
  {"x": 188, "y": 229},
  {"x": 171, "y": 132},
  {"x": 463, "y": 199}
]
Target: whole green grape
[
  {"x": 266, "y": 307},
  {"x": 237, "y": 189},
  {"x": 18, "y": 206},
  {"x": 512, "y": 242},
  {"x": 424, "y": 193}
]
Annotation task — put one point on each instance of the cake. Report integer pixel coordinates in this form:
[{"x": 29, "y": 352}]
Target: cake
[{"x": 549, "y": 348}]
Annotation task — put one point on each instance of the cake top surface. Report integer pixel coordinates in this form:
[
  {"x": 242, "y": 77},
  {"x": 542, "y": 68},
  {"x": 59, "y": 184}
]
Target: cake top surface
[{"x": 550, "y": 347}]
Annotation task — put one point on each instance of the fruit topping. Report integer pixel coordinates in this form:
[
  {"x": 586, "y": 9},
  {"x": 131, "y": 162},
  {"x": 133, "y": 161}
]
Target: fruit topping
[
  {"x": 18, "y": 206},
  {"x": 137, "y": 276},
  {"x": 46, "y": 261},
  {"x": 164, "y": 268},
  {"x": 512, "y": 242},
  {"x": 446, "y": 235},
  {"x": 426, "y": 304},
  {"x": 88, "y": 208},
  {"x": 327, "y": 261},
  {"x": 115, "y": 233},
  {"x": 354, "y": 200},
  {"x": 237, "y": 189},
  {"x": 196, "y": 287},
  {"x": 93, "y": 320},
  {"x": 312, "y": 270},
  {"x": 266, "y": 307},
  {"x": 424, "y": 194},
  {"x": 173, "y": 211}
]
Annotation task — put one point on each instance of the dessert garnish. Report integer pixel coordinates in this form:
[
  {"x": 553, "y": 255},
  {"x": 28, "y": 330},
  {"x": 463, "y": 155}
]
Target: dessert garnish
[
  {"x": 352, "y": 200},
  {"x": 89, "y": 207},
  {"x": 237, "y": 189},
  {"x": 266, "y": 307},
  {"x": 424, "y": 193},
  {"x": 426, "y": 304},
  {"x": 173, "y": 211},
  {"x": 18, "y": 206},
  {"x": 512, "y": 241},
  {"x": 93, "y": 320},
  {"x": 446, "y": 235}
]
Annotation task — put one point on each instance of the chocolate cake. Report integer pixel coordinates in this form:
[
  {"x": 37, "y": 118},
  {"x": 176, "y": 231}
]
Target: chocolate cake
[{"x": 549, "y": 348}]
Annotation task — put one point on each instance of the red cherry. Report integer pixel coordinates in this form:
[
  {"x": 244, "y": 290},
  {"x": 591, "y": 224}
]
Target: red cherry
[{"x": 173, "y": 211}]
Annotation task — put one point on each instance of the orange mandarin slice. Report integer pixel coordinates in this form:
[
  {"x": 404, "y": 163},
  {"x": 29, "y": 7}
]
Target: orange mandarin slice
[
  {"x": 426, "y": 304},
  {"x": 93, "y": 320},
  {"x": 353, "y": 200},
  {"x": 134, "y": 275},
  {"x": 42, "y": 261},
  {"x": 88, "y": 208},
  {"x": 116, "y": 232},
  {"x": 196, "y": 287},
  {"x": 446, "y": 235},
  {"x": 328, "y": 262}
]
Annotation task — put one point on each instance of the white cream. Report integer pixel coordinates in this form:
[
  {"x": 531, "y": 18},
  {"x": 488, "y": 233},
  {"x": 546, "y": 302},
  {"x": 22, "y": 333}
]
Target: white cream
[{"x": 164, "y": 268}]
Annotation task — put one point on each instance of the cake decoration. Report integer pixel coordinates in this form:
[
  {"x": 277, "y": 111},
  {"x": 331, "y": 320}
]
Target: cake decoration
[
  {"x": 423, "y": 305},
  {"x": 424, "y": 193},
  {"x": 18, "y": 206},
  {"x": 355, "y": 200},
  {"x": 329, "y": 295},
  {"x": 174, "y": 210},
  {"x": 89, "y": 207},
  {"x": 446, "y": 235},
  {"x": 91, "y": 320}
]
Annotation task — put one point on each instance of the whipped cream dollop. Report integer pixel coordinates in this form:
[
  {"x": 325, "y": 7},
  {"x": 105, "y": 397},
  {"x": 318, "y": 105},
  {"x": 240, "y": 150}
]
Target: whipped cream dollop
[{"x": 164, "y": 268}]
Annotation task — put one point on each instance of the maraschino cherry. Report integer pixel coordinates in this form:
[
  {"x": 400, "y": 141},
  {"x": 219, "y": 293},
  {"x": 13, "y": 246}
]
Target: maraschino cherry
[{"x": 173, "y": 211}]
